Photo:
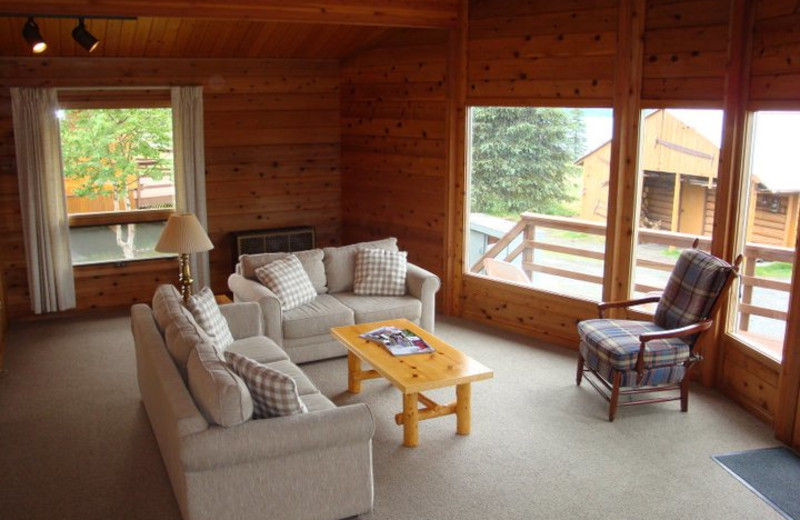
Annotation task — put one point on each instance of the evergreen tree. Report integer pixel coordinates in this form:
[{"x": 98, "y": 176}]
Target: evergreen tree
[{"x": 523, "y": 159}]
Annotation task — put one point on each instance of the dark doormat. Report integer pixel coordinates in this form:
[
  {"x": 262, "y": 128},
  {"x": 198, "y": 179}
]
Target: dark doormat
[{"x": 771, "y": 473}]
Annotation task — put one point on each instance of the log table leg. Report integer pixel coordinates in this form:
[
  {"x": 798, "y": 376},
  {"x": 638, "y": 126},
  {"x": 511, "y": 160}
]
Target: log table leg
[
  {"x": 463, "y": 397},
  {"x": 410, "y": 420},
  {"x": 353, "y": 373}
]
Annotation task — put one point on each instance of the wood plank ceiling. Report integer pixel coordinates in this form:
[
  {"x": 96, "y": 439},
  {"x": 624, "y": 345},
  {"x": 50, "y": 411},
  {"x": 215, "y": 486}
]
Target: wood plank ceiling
[{"x": 148, "y": 37}]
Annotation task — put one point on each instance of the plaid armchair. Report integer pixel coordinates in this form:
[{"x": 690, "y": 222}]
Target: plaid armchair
[{"x": 640, "y": 357}]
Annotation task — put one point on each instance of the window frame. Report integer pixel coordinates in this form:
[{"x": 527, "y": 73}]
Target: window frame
[
  {"x": 467, "y": 201},
  {"x": 117, "y": 98}
]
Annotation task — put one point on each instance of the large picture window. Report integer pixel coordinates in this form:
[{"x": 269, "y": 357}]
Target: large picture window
[
  {"x": 678, "y": 164},
  {"x": 119, "y": 181},
  {"x": 769, "y": 229},
  {"x": 538, "y": 196}
]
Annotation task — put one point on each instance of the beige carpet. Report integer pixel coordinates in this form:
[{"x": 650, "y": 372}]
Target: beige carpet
[{"x": 75, "y": 442}]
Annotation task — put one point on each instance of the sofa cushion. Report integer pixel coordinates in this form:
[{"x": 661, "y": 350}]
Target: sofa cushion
[
  {"x": 220, "y": 394},
  {"x": 316, "y": 317},
  {"x": 380, "y": 272},
  {"x": 258, "y": 348},
  {"x": 206, "y": 313},
  {"x": 304, "y": 384},
  {"x": 287, "y": 279},
  {"x": 311, "y": 260},
  {"x": 340, "y": 262},
  {"x": 181, "y": 331},
  {"x": 274, "y": 393},
  {"x": 377, "y": 308},
  {"x": 168, "y": 306}
]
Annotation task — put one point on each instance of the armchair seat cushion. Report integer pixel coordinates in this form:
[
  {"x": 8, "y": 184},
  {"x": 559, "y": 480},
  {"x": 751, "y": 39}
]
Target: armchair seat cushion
[
  {"x": 316, "y": 317},
  {"x": 615, "y": 343},
  {"x": 377, "y": 308}
]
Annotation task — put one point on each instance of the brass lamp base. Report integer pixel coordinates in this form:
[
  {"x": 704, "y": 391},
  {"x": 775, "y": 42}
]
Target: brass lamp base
[{"x": 185, "y": 277}]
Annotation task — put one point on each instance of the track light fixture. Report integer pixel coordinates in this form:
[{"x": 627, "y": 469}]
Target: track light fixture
[
  {"x": 30, "y": 31},
  {"x": 86, "y": 39},
  {"x": 32, "y": 35}
]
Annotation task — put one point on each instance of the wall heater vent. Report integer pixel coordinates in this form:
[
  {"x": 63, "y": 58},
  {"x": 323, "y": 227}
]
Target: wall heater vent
[{"x": 274, "y": 240}]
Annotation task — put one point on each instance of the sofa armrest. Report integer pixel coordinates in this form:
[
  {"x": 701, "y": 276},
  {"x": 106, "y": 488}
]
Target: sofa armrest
[
  {"x": 423, "y": 285},
  {"x": 261, "y": 439},
  {"x": 244, "y": 319},
  {"x": 245, "y": 290}
]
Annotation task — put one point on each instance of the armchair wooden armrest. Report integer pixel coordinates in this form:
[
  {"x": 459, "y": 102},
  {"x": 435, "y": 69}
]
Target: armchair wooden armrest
[
  {"x": 603, "y": 306},
  {"x": 680, "y": 332},
  {"x": 688, "y": 330}
]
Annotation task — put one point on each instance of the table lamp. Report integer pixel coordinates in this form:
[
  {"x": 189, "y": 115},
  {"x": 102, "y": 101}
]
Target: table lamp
[{"x": 184, "y": 235}]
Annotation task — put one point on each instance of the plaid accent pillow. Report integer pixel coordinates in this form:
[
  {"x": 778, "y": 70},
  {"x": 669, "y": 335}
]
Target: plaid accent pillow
[
  {"x": 206, "y": 313},
  {"x": 274, "y": 393},
  {"x": 692, "y": 289},
  {"x": 380, "y": 272},
  {"x": 288, "y": 280}
]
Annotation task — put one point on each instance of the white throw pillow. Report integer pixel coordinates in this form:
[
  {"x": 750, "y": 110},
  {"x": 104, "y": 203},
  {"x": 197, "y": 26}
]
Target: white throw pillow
[
  {"x": 288, "y": 280},
  {"x": 274, "y": 393},
  {"x": 380, "y": 272},
  {"x": 206, "y": 313}
]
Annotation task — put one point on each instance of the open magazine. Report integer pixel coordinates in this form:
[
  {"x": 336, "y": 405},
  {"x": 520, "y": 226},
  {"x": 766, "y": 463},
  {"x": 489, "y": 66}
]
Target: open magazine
[{"x": 400, "y": 342}]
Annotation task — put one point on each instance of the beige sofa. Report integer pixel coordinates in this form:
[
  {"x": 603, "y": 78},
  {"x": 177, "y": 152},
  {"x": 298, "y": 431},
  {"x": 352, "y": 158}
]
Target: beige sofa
[
  {"x": 225, "y": 465},
  {"x": 303, "y": 332}
]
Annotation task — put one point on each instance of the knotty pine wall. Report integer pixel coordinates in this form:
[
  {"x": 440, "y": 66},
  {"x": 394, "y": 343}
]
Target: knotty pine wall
[
  {"x": 394, "y": 151},
  {"x": 272, "y": 159},
  {"x": 566, "y": 53},
  {"x": 536, "y": 53}
]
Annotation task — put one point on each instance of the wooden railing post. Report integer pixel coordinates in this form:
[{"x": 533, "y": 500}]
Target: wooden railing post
[
  {"x": 747, "y": 292},
  {"x": 529, "y": 235}
]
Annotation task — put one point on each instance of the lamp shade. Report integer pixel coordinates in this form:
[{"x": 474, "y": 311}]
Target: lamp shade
[{"x": 183, "y": 234}]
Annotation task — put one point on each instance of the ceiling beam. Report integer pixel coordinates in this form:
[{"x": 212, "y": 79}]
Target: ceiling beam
[{"x": 388, "y": 13}]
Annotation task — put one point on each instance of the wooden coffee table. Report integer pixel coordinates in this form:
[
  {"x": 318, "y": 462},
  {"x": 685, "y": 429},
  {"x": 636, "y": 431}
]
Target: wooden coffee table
[{"x": 412, "y": 374}]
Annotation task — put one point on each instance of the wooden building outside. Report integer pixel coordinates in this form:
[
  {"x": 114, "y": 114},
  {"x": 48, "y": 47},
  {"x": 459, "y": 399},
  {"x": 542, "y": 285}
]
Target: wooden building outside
[{"x": 679, "y": 183}]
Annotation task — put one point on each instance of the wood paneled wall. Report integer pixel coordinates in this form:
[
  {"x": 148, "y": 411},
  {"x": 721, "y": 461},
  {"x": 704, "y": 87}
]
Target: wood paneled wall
[
  {"x": 394, "y": 153},
  {"x": 566, "y": 53},
  {"x": 685, "y": 52},
  {"x": 272, "y": 159},
  {"x": 541, "y": 50},
  {"x": 529, "y": 54}
]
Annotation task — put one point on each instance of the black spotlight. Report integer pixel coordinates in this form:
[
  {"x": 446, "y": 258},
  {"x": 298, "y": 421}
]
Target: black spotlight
[
  {"x": 81, "y": 35},
  {"x": 32, "y": 35}
]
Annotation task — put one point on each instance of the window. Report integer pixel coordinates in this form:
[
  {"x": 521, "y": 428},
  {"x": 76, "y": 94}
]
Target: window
[
  {"x": 769, "y": 231},
  {"x": 119, "y": 181},
  {"x": 538, "y": 196},
  {"x": 678, "y": 165}
]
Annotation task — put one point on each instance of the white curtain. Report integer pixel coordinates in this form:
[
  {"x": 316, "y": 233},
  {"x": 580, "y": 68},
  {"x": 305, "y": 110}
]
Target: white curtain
[
  {"x": 42, "y": 199},
  {"x": 190, "y": 165}
]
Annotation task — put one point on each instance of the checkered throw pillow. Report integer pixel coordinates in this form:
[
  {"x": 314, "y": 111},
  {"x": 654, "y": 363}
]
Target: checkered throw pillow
[
  {"x": 206, "y": 313},
  {"x": 288, "y": 280},
  {"x": 380, "y": 272},
  {"x": 274, "y": 393}
]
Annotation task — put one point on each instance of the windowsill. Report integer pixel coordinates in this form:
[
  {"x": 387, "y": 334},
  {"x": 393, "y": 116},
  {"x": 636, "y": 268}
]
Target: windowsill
[
  {"x": 123, "y": 263},
  {"x": 772, "y": 349}
]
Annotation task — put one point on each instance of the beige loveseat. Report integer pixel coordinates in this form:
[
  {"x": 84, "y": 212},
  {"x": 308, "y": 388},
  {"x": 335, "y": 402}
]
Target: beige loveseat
[
  {"x": 225, "y": 465},
  {"x": 303, "y": 332}
]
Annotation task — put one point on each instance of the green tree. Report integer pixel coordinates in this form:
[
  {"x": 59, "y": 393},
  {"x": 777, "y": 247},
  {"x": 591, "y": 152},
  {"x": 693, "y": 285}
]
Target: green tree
[
  {"x": 523, "y": 159},
  {"x": 106, "y": 152}
]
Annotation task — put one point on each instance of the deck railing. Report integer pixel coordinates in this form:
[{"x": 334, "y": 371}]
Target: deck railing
[{"x": 529, "y": 244}]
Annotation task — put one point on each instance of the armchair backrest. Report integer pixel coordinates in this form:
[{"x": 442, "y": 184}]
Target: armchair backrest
[{"x": 695, "y": 285}]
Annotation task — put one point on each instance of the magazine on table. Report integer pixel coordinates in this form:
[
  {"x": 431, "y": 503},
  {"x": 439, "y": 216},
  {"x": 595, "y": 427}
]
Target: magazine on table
[{"x": 399, "y": 342}]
